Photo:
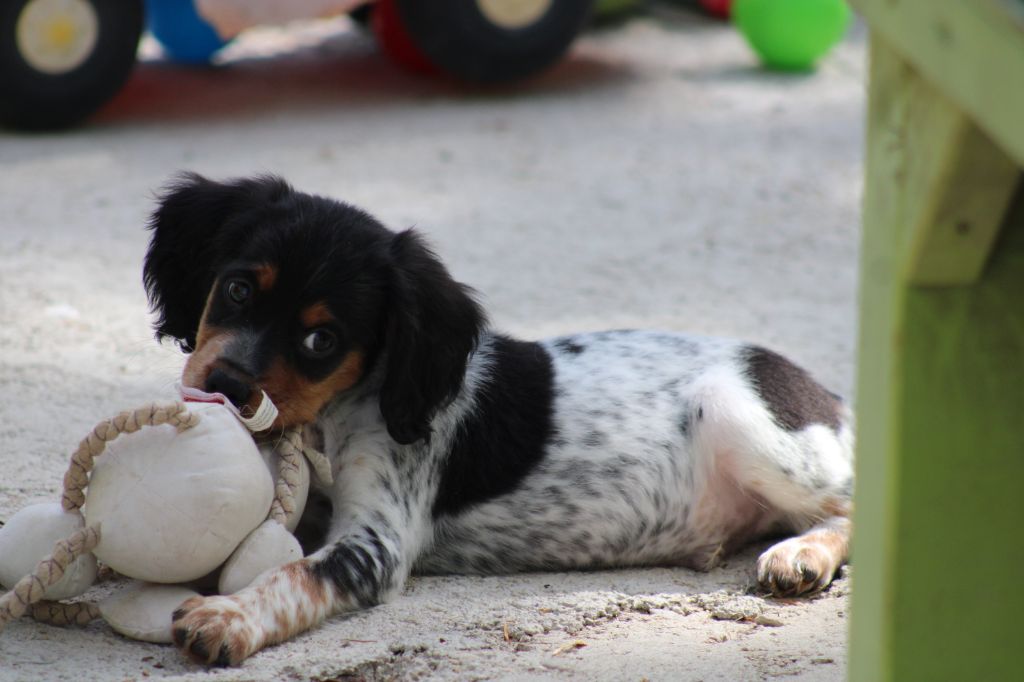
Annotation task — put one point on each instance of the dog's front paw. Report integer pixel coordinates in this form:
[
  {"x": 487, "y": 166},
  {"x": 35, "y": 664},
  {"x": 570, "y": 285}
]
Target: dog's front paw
[
  {"x": 797, "y": 566},
  {"x": 215, "y": 631}
]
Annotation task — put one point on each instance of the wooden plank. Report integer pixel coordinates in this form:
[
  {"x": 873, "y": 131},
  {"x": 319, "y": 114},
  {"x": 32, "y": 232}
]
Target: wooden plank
[
  {"x": 952, "y": 191},
  {"x": 956, "y": 529},
  {"x": 881, "y": 295},
  {"x": 972, "y": 50},
  {"x": 937, "y": 551},
  {"x": 969, "y": 189}
]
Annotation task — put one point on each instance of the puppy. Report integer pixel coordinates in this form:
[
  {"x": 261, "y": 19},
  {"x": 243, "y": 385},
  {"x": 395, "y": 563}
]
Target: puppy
[{"x": 457, "y": 449}]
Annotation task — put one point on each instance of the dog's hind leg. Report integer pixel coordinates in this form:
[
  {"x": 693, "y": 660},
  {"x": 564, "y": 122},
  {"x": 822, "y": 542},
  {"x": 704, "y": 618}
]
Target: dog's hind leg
[
  {"x": 787, "y": 443},
  {"x": 806, "y": 563}
]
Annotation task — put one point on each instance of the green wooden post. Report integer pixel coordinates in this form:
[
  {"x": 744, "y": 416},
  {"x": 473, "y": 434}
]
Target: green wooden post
[
  {"x": 972, "y": 50},
  {"x": 939, "y": 513}
]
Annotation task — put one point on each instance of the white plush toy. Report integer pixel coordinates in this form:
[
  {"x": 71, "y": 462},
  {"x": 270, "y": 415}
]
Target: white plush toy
[{"x": 168, "y": 505}]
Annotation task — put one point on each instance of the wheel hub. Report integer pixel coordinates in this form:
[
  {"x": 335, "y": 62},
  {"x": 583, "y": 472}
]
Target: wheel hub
[
  {"x": 513, "y": 14},
  {"x": 56, "y": 36}
]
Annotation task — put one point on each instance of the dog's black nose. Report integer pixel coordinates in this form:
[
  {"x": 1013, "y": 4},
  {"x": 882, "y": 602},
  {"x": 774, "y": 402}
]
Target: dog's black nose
[{"x": 235, "y": 389}]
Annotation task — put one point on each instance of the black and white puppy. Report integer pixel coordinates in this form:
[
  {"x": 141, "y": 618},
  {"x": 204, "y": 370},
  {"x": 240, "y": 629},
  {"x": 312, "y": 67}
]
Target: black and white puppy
[{"x": 459, "y": 450}]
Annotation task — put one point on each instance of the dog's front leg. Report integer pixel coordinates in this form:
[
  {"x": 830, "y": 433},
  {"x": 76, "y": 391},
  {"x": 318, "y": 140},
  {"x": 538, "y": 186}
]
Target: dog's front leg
[
  {"x": 356, "y": 571},
  {"x": 377, "y": 529},
  {"x": 225, "y": 630}
]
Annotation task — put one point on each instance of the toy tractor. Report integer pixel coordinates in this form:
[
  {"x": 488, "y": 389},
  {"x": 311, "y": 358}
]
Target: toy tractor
[{"x": 61, "y": 60}]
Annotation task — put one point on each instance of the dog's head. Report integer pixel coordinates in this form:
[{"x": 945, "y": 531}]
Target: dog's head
[{"x": 304, "y": 297}]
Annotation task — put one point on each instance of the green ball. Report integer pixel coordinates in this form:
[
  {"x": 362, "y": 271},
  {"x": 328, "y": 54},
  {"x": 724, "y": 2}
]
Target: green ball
[{"x": 791, "y": 35}]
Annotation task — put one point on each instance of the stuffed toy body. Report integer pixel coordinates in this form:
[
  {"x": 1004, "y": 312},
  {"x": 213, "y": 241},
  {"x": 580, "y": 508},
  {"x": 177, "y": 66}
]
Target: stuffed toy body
[{"x": 183, "y": 493}]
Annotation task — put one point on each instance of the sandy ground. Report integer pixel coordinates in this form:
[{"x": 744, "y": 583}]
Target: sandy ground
[{"x": 654, "y": 179}]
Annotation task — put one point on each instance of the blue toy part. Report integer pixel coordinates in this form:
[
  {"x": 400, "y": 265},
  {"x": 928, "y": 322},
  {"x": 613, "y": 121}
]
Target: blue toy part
[{"x": 184, "y": 35}]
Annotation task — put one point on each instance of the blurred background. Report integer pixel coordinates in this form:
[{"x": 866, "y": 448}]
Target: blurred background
[{"x": 655, "y": 168}]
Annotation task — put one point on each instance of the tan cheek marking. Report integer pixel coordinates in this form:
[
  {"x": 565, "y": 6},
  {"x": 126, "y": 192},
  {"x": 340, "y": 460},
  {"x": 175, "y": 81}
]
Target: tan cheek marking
[
  {"x": 210, "y": 344},
  {"x": 266, "y": 276},
  {"x": 300, "y": 400},
  {"x": 316, "y": 315},
  {"x": 200, "y": 362},
  {"x": 205, "y": 331}
]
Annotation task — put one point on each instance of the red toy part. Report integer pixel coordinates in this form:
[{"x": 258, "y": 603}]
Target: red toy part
[
  {"x": 719, "y": 8},
  {"x": 394, "y": 39}
]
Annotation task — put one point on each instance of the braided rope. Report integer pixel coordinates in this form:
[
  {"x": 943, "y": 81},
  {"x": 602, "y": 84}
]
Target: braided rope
[
  {"x": 64, "y": 613},
  {"x": 291, "y": 449},
  {"x": 319, "y": 461},
  {"x": 30, "y": 589},
  {"x": 77, "y": 477},
  {"x": 283, "y": 506}
]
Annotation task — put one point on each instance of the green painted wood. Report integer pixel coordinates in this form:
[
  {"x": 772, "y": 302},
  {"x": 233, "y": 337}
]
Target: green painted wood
[
  {"x": 881, "y": 294},
  {"x": 958, "y": 541},
  {"x": 962, "y": 209},
  {"x": 939, "y": 545},
  {"x": 972, "y": 50},
  {"x": 952, "y": 191}
]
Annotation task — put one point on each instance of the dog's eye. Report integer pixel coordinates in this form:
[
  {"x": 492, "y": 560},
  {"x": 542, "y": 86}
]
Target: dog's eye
[
  {"x": 319, "y": 343},
  {"x": 237, "y": 290}
]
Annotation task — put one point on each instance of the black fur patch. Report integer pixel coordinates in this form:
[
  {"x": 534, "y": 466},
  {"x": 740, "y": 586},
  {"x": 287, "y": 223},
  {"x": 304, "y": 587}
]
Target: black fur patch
[
  {"x": 507, "y": 433},
  {"x": 223, "y": 659},
  {"x": 432, "y": 326},
  {"x": 362, "y": 568},
  {"x": 198, "y": 649},
  {"x": 569, "y": 346},
  {"x": 795, "y": 399},
  {"x": 315, "y": 522}
]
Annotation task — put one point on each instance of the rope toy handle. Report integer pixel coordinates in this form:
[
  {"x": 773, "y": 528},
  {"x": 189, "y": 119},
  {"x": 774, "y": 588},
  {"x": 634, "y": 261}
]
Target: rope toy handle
[
  {"x": 290, "y": 449},
  {"x": 283, "y": 506},
  {"x": 29, "y": 590},
  {"x": 65, "y": 613},
  {"x": 77, "y": 477}
]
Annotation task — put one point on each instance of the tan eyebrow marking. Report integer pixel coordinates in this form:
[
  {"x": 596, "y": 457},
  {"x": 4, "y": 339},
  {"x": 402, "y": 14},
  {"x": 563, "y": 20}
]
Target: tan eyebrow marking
[
  {"x": 316, "y": 315},
  {"x": 266, "y": 276}
]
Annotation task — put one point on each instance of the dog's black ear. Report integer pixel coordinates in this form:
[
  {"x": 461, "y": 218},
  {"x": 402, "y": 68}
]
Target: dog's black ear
[
  {"x": 432, "y": 326},
  {"x": 190, "y": 235}
]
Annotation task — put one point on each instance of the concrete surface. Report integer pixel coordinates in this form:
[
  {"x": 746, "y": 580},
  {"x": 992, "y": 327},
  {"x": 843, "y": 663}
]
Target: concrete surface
[{"x": 656, "y": 178}]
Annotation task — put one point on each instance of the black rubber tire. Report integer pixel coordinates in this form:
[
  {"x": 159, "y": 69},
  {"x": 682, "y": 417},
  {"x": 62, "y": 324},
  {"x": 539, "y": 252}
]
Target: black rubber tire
[
  {"x": 360, "y": 16},
  {"x": 462, "y": 41},
  {"x": 34, "y": 100}
]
